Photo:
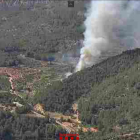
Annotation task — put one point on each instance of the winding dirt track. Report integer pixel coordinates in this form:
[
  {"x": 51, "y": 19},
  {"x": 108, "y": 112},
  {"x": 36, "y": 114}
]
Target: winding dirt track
[
  {"x": 13, "y": 74},
  {"x": 18, "y": 74}
]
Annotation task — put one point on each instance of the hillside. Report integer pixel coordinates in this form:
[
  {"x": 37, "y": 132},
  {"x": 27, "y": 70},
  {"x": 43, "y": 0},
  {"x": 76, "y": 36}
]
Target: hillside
[
  {"x": 108, "y": 100},
  {"x": 63, "y": 94},
  {"x": 14, "y": 127},
  {"x": 38, "y": 29},
  {"x": 113, "y": 105},
  {"x": 40, "y": 42}
]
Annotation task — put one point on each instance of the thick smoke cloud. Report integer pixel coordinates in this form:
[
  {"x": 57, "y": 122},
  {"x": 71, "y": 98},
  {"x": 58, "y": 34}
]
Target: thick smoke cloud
[{"x": 111, "y": 27}]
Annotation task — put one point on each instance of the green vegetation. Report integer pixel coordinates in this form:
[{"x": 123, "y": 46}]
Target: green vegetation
[
  {"x": 29, "y": 77},
  {"x": 80, "y": 83},
  {"x": 23, "y": 110},
  {"x": 8, "y": 98},
  {"x": 4, "y": 83},
  {"x": 109, "y": 98},
  {"x": 117, "y": 95},
  {"x": 43, "y": 28},
  {"x": 108, "y": 93},
  {"x": 42, "y": 87},
  {"x": 20, "y": 85},
  {"x": 20, "y": 127},
  {"x": 114, "y": 102}
]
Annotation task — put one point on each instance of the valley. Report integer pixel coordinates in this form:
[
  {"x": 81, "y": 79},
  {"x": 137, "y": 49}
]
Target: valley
[{"x": 42, "y": 96}]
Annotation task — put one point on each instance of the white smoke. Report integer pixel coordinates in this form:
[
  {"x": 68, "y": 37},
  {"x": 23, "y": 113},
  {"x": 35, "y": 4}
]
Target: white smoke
[
  {"x": 68, "y": 74},
  {"x": 111, "y": 27}
]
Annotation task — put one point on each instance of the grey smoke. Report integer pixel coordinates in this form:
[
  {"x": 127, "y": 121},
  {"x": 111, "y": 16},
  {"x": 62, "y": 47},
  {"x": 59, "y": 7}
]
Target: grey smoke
[{"x": 111, "y": 27}]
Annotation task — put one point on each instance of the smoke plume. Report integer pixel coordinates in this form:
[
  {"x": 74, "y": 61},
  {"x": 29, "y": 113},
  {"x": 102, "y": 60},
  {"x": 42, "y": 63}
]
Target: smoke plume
[{"x": 111, "y": 27}]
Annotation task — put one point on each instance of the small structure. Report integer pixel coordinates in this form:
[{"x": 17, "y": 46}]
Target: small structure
[
  {"x": 84, "y": 129},
  {"x": 39, "y": 108},
  {"x": 92, "y": 129}
]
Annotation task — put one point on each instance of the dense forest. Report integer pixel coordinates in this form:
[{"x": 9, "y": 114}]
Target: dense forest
[
  {"x": 62, "y": 94},
  {"x": 114, "y": 103},
  {"x": 7, "y": 98},
  {"x": 38, "y": 30},
  {"x": 20, "y": 127}
]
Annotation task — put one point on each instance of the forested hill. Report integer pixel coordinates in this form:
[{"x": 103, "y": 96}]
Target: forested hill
[
  {"x": 38, "y": 28},
  {"x": 65, "y": 93}
]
